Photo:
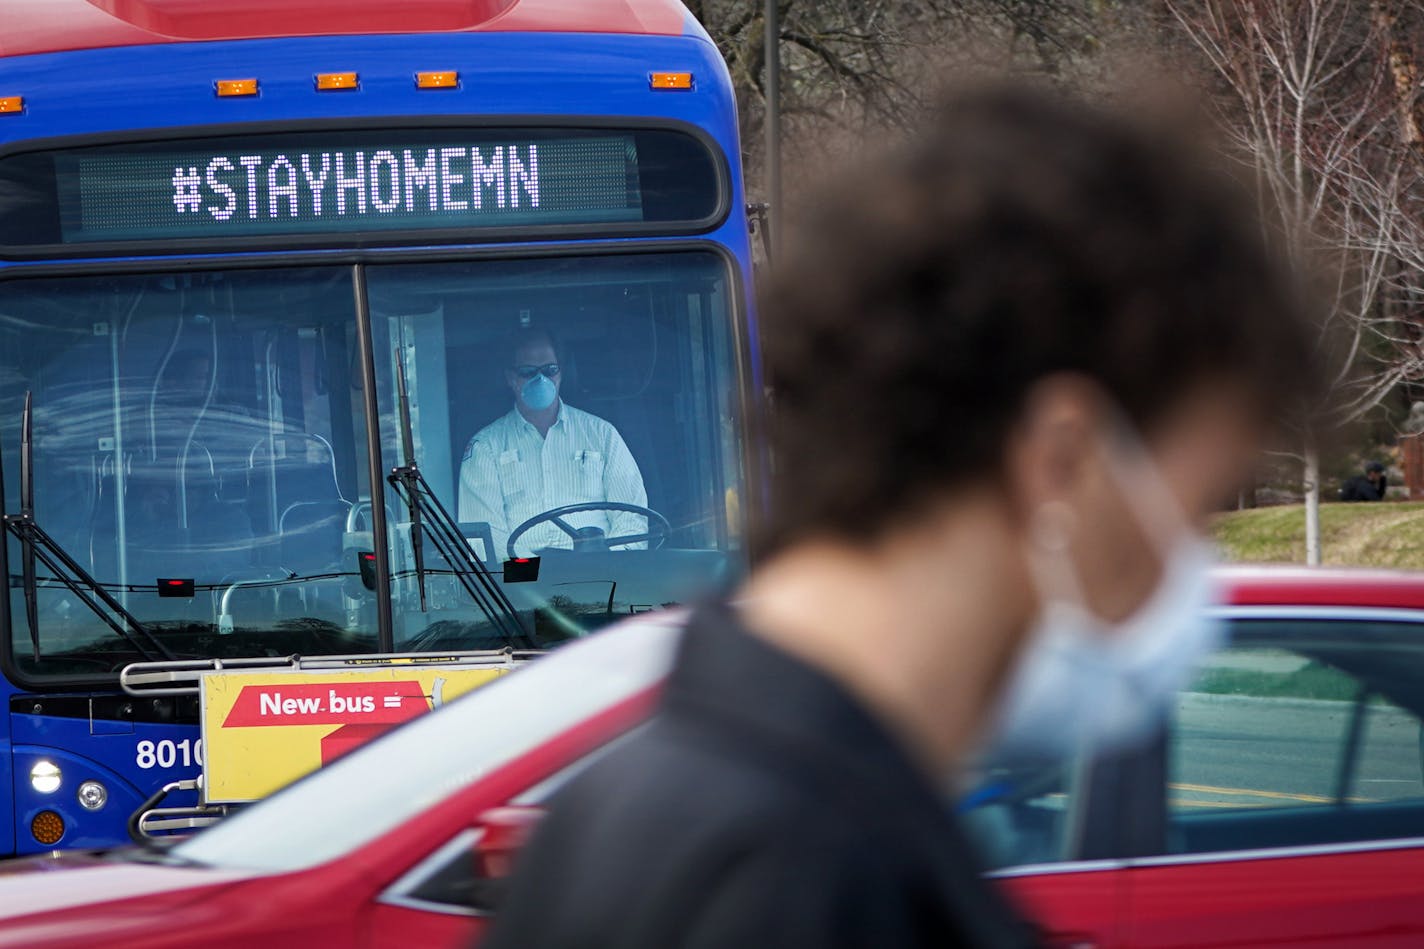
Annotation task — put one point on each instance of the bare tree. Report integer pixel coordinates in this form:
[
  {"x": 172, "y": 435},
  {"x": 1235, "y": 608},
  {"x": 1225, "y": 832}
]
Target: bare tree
[
  {"x": 1309, "y": 102},
  {"x": 853, "y": 66}
]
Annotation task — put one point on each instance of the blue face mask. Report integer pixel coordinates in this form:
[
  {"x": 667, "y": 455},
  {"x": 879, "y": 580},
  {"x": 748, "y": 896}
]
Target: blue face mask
[
  {"x": 1087, "y": 683},
  {"x": 539, "y": 393}
]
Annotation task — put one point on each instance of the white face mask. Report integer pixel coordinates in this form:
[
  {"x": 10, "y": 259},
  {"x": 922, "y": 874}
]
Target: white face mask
[{"x": 1085, "y": 683}]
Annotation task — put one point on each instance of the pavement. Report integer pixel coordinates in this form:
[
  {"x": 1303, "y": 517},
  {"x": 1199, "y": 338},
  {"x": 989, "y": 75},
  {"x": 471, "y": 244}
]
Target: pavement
[{"x": 1244, "y": 751}]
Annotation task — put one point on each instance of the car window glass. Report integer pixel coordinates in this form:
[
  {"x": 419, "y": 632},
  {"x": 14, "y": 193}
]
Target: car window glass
[
  {"x": 452, "y": 882},
  {"x": 1017, "y": 812},
  {"x": 1390, "y": 758},
  {"x": 1297, "y": 743},
  {"x": 1259, "y": 728}
]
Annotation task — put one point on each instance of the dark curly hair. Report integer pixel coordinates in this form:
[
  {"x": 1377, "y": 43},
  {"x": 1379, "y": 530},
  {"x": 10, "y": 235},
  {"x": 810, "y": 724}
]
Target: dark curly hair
[{"x": 1017, "y": 235}]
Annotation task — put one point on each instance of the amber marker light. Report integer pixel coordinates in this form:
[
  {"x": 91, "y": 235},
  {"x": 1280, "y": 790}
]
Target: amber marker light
[
  {"x": 236, "y": 87},
  {"x": 47, "y": 827},
  {"x": 330, "y": 81},
  {"x": 437, "y": 79},
  {"x": 670, "y": 80},
  {"x": 11, "y": 104}
]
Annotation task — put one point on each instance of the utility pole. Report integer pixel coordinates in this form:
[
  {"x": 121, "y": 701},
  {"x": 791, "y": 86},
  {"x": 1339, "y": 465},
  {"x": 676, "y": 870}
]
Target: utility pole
[{"x": 773, "y": 122}]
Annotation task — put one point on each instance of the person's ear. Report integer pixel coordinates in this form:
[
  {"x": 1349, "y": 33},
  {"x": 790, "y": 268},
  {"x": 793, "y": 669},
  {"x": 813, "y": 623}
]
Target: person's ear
[{"x": 1055, "y": 443}]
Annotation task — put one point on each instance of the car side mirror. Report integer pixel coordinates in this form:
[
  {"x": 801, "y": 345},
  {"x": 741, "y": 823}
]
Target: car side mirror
[{"x": 503, "y": 832}]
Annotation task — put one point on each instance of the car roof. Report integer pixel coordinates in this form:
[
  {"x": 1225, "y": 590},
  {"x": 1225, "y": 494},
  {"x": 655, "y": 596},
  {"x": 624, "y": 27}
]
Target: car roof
[
  {"x": 49, "y": 26},
  {"x": 1327, "y": 586}
]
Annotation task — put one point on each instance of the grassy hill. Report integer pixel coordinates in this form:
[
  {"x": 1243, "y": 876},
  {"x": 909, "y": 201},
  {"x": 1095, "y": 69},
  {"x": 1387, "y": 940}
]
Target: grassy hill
[{"x": 1386, "y": 534}]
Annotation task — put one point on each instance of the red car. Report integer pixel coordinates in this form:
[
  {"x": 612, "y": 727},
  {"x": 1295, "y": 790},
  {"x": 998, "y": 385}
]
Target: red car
[{"x": 1284, "y": 804}]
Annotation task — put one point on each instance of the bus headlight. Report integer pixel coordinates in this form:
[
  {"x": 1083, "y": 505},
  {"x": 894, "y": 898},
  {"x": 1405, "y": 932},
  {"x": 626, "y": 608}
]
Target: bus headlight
[
  {"x": 92, "y": 795},
  {"x": 45, "y": 776}
]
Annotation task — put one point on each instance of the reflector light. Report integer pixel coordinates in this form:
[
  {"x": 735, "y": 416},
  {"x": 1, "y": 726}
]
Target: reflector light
[
  {"x": 438, "y": 79},
  {"x": 327, "y": 81},
  {"x": 521, "y": 570},
  {"x": 47, "y": 827},
  {"x": 11, "y": 104},
  {"x": 176, "y": 587},
  {"x": 670, "y": 80},
  {"x": 237, "y": 87}
]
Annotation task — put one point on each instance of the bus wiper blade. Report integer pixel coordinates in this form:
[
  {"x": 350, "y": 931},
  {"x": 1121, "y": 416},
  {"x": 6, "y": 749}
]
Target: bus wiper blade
[
  {"x": 444, "y": 533},
  {"x": 35, "y": 543},
  {"x": 27, "y": 510},
  {"x": 409, "y": 474}
]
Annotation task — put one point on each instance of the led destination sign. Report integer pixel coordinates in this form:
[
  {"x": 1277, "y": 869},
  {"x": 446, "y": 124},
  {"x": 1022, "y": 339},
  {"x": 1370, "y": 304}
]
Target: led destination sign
[
  {"x": 190, "y": 194},
  {"x": 449, "y": 185},
  {"x": 323, "y": 183}
]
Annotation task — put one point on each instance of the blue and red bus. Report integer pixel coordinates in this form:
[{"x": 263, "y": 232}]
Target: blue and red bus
[{"x": 284, "y": 288}]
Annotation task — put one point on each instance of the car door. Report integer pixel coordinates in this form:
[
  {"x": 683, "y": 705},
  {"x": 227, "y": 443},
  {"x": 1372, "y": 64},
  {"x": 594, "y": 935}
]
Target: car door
[
  {"x": 1294, "y": 804},
  {"x": 1053, "y": 837}
]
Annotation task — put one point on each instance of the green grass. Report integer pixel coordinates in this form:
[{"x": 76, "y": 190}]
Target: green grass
[
  {"x": 1383, "y": 534},
  {"x": 1312, "y": 682}
]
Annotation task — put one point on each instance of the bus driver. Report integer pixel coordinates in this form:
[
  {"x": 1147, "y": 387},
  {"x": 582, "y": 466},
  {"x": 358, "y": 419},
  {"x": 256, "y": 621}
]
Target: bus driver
[{"x": 545, "y": 454}]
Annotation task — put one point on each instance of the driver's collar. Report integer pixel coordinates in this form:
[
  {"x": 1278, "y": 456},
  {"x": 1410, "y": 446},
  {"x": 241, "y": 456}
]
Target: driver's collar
[{"x": 558, "y": 419}]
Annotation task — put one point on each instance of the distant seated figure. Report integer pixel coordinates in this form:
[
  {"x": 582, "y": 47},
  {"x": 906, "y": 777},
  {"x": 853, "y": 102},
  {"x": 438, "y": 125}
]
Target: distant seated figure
[
  {"x": 188, "y": 416},
  {"x": 545, "y": 454},
  {"x": 1370, "y": 486},
  {"x": 179, "y": 399}
]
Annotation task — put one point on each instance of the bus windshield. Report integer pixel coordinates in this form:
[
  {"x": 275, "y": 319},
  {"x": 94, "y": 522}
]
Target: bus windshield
[
  {"x": 202, "y": 449},
  {"x": 575, "y": 409}
]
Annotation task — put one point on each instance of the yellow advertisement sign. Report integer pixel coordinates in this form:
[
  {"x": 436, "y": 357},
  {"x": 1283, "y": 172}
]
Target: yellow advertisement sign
[{"x": 263, "y": 730}]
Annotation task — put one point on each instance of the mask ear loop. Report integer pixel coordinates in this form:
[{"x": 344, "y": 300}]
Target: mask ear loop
[
  {"x": 1152, "y": 501},
  {"x": 1051, "y": 525}
]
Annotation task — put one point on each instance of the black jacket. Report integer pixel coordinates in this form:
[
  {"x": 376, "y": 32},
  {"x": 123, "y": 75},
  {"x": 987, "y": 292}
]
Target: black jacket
[
  {"x": 1361, "y": 488},
  {"x": 763, "y": 807}
]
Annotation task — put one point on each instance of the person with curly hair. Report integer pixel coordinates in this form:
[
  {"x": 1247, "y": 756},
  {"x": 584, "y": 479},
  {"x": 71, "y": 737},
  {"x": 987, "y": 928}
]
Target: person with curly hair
[{"x": 1017, "y": 361}]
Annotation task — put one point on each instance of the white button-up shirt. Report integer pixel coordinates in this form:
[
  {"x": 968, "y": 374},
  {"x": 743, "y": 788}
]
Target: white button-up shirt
[{"x": 510, "y": 473}]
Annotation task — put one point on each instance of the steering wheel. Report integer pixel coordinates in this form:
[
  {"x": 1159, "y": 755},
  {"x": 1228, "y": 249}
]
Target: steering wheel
[{"x": 590, "y": 538}]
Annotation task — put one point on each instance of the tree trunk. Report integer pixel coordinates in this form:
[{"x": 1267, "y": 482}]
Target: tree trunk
[{"x": 1312, "y": 504}]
